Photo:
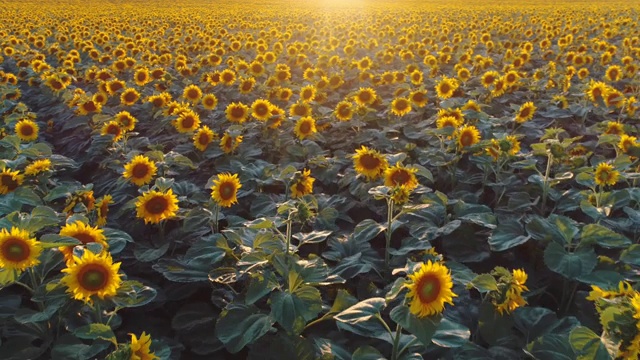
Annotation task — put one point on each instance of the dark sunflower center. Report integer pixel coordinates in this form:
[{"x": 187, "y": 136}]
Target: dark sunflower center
[
  {"x": 246, "y": 86},
  {"x": 113, "y": 130},
  {"x": 596, "y": 93},
  {"x": 428, "y": 289},
  {"x": 364, "y": 96},
  {"x": 209, "y": 102},
  {"x": 93, "y": 277},
  {"x": 369, "y": 162},
  {"x": 192, "y": 94},
  {"x": 262, "y": 109},
  {"x": 89, "y": 106},
  {"x": 466, "y": 139},
  {"x": 227, "y": 190},
  {"x": 15, "y": 250},
  {"x": 305, "y": 127},
  {"x": 130, "y": 96},
  {"x": 188, "y": 122},
  {"x": 227, "y": 78},
  {"x": 345, "y": 110},
  {"x": 9, "y": 182},
  {"x": 418, "y": 97},
  {"x": 56, "y": 84},
  {"x": 26, "y": 130},
  {"x": 157, "y": 205},
  {"x": 488, "y": 80},
  {"x": 142, "y": 76},
  {"x": 401, "y": 105},
  {"x": 524, "y": 112},
  {"x": 204, "y": 139},
  {"x": 237, "y": 112},
  {"x": 307, "y": 94},
  {"x": 84, "y": 238},
  {"x": 444, "y": 88},
  {"x": 140, "y": 170},
  {"x": 300, "y": 110},
  {"x": 400, "y": 177}
]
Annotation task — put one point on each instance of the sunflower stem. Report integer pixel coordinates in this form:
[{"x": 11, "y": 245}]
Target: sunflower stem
[
  {"x": 98, "y": 310},
  {"x": 388, "y": 236},
  {"x": 288, "y": 237},
  {"x": 215, "y": 223},
  {"x": 545, "y": 184},
  {"x": 24, "y": 286},
  {"x": 396, "y": 343}
]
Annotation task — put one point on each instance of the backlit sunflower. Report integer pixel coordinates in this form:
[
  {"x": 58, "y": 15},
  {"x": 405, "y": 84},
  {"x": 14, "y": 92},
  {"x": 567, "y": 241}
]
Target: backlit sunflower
[
  {"x": 225, "y": 189},
  {"x": 140, "y": 170},
  {"x": 305, "y": 127},
  {"x": 511, "y": 295},
  {"x": 140, "y": 348},
  {"x": 209, "y": 101},
  {"x": 237, "y": 112},
  {"x": 102, "y": 209},
  {"x": 154, "y": 206},
  {"x": 302, "y": 184},
  {"x": 37, "y": 167},
  {"x": 229, "y": 143},
  {"x": 369, "y": 162},
  {"x": 129, "y": 97},
  {"x": 27, "y": 130},
  {"x": 400, "y": 106},
  {"x": 18, "y": 250},
  {"x": 261, "y": 109},
  {"x": 203, "y": 137},
  {"x": 192, "y": 93},
  {"x": 418, "y": 98},
  {"x": 606, "y": 174},
  {"x": 10, "y": 180},
  {"x": 92, "y": 275},
  {"x": 626, "y": 142},
  {"x": 187, "y": 122},
  {"x": 126, "y": 120},
  {"x": 446, "y": 87},
  {"x": 429, "y": 289},
  {"x": 525, "y": 112},
  {"x": 399, "y": 175},
  {"x": 112, "y": 128},
  {"x": 467, "y": 135},
  {"x": 84, "y": 233},
  {"x": 343, "y": 111},
  {"x": 365, "y": 96}
]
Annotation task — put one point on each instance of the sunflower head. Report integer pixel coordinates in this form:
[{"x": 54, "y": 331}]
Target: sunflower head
[
  {"x": 102, "y": 209},
  {"x": 84, "y": 233},
  {"x": 302, "y": 184},
  {"x": 229, "y": 143},
  {"x": 344, "y": 111},
  {"x": 446, "y": 87},
  {"x": 10, "y": 180},
  {"x": 154, "y": 206},
  {"x": 419, "y": 98},
  {"x": 92, "y": 275},
  {"x": 369, "y": 163},
  {"x": 192, "y": 93},
  {"x": 225, "y": 189},
  {"x": 400, "y": 106},
  {"x": 606, "y": 174},
  {"x": 126, "y": 120},
  {"x": 203, "y": 137},
  {"x": 140, "y": 348},
  {"x": 525, "y": 112},
  {"x": 129, "y": 97},
  {"x": 112, "y": 128},
  {"x": 468, "y": 135},
  {"x": 188, "y": 121},
  {"x": 37, "y": 167},
  {"x": 365, "y": 97},
  {"x": 18, "y": 250},
  {"x": 429, "y": 289},
  {"x": 140, "y": 170},
  {"x": 626, "y": 142},
  {"x": 27, "y": 130},
  {"x": 305, "y": 127},
  {"x": 399, "y": 175},
  {"x": 261, "y": 109},
  {"x": 237, "y": 112},
  {"x": 209, "y": 101}
]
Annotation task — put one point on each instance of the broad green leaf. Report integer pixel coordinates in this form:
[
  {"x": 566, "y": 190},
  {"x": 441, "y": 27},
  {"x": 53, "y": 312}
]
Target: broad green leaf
[
  {"x": 367, "y": 230},
  {"x": 508, "y": 234},
  {"x": 133, "y": 294},
  {"x": 367, "y": 352},
  {"x": 241, "y": 325},
  {"x": 484, "y": 283},
  {"x": 570, "y": 265},
  {"x": 588, "y": 345},
  {"x": 422, "y": 328},
  {"x": 451, "y": 334},
  {"x": 631, "y": 255},
  {"x": 361, "y": 311},
  {"x": 293, "y": 310},
  {"x": 343, "y": 301},
  {"x": 95, "y": 331},
  {"x": 598, "y": 234}
]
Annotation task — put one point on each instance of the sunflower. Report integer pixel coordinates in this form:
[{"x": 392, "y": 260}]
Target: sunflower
[
  {"x": 365, "y": 96},
  {"x": 500, "y": 86},
  {"x": 10, "y": 180},
  {"x": 112, "y": 128},
  {"x": 246, "y": 85},
  {"x": 261, "y": 109},
  {"x": 237, "y": 112},
  {"x": 140, "y": 170},
  {"x": 140, "y": 348},
  {"x": 614, "y": 128},
  {"x": 284, "y": 94},
  {"x": 92, "y": 275},
  {"x": 89, "y": 106},
  {"x": 203, "y": 137},
  {"x": 141, "y": 76},
  {"x": 302, "y": 184},
  {"x": 209, "y": 101},
  {"x": 37, "y": 167},
  {"x": 225, "y": 189},
  {"x": 114, "y": 86},
  {"x": 84, "y": 233},
  {"x": 614, "y": 98},
  {"x": 511, "y": 78},
  {"x": 446, "y": 87},
  {"x": 100, "y": 98},
  {"x": 192, "y": 93},
  {"x": 472, "y": 105},
  {"x": 126, "y": 120},
  {"x": 606, "y": 175},
  {"x": 27, "y": 130},
  {"x": 418, "y": 98},
  {"x": 512, "y": 299},
  {"x": 301, "y": 109},
  {"x": 468, "y": 135},
  {"x": 102, "y": 209},
  {"x": 369, "y": 162},
  {"x": 613, "y": 73},
  {"x": 228, "y": 77},
  {"x": 399, "y": 175},
  {"x": 188, "y": 121},
  {"x": 525, "y": 112},
  {"x": 416, "y": 77},
  {"x": 400, "y": 106},
  {"x": 429, "y": 289},
  {"x": 18, "y": 250},
  {"x": 305, "y": 127},
  {"x": 155, "y": 206},
  {"x": 129, "y": 97},
  {"x": 447, "y": 121},
  {"x": 596, "y": 90},
  {"x": 514, "y": 144},
  {"x": 229, "y": 143},
  {"x": 343, "y": 111}
]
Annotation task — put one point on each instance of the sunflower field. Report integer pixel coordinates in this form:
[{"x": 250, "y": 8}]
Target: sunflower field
[{"x": 330, "y": 179}]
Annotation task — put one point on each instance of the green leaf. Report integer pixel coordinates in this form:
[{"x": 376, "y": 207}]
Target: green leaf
[
  {"x": 192, "y": 315},
  {"x": 631, "y": 255},
  {"x": 95, "y": 331},
  {"x": 117, "y": 239},
  {"x": 598, "y": 234},
  {"x": 551, "y": 347},
  {"x": 313, "y": 237},
  {"x": 559, "y": 229},
  {"x": 133, "y": 294},
  {"x": 570, "y": 265},
  {"x": 293, "y": 310},
  {"x": 241, "y": 325},
  {"x": 48, "y": 241},
  {"x": 451, "y": 334},
  {"x": 367, "y": 352},
  {"x": 41, "y": 216},
  {"x": 260, "y": 285},
  {"x": 123, "y": 352},
  {"x": 508, "y": 234},
  {"x": 588, "y": 345},
  {"x": 367, "y": 230},
  {"x": 361, "y": 311},
  {"x": 484, "y": 283},
  {"x": 422, "y": 328},
  {"x": 343, "y": 301}
]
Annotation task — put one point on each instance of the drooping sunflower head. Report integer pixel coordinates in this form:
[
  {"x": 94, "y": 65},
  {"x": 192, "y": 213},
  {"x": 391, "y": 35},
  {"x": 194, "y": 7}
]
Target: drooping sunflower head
[
  {"x": 399, "y": 175},
  {"x": 140, "y": 170},
  {"x": 614, "y": 98},
  {"x": 369, "y": 163},
  {"x": 18, "y": 250},
  {"x": 429, "y": 289},
  {"x": 596, "y": 91},
  {"x": 343, "y": 111},
  {"x": 261, "y": 109},
  {"x": 277, "y": 115},
  {"x": 10, "y": 180},
  {"x": 606, "y": 174},
  {"x": 140, "y": 348},
  {"x": 302, "y": 184},
  {"x": 92, "y": 275},
  {"x": 225, "y": 189},
  {"x": 468, "y": 135},
  {"x": 37, "y": 167},
  {"x": 84, "y": 233},
  {"x": 102, "y": 209},
  {"x": 154, "y": 206},
  {"x": 112, "y": 128},
  {"x": 237, "y": 112},
  {"x": 188, "y": 121},
  {"x": 192, "y": 93},
  {"x": 525, "y": 112},
  {"x": 446, "y": 87},
  {"x": 203, "y": 137},
  {"x": 400, "y": 106},
  {"x": 27, "y": 130},
  {"x": 305, "y": 127}
]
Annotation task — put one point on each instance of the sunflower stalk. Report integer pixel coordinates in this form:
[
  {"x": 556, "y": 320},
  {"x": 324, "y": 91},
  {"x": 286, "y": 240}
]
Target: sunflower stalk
[
  {"x": 545, "y": 183},
  {"x": 215, "y": 221},
  {"x": 395, "y": 353},
  {"x": 388, "y": 235}
]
